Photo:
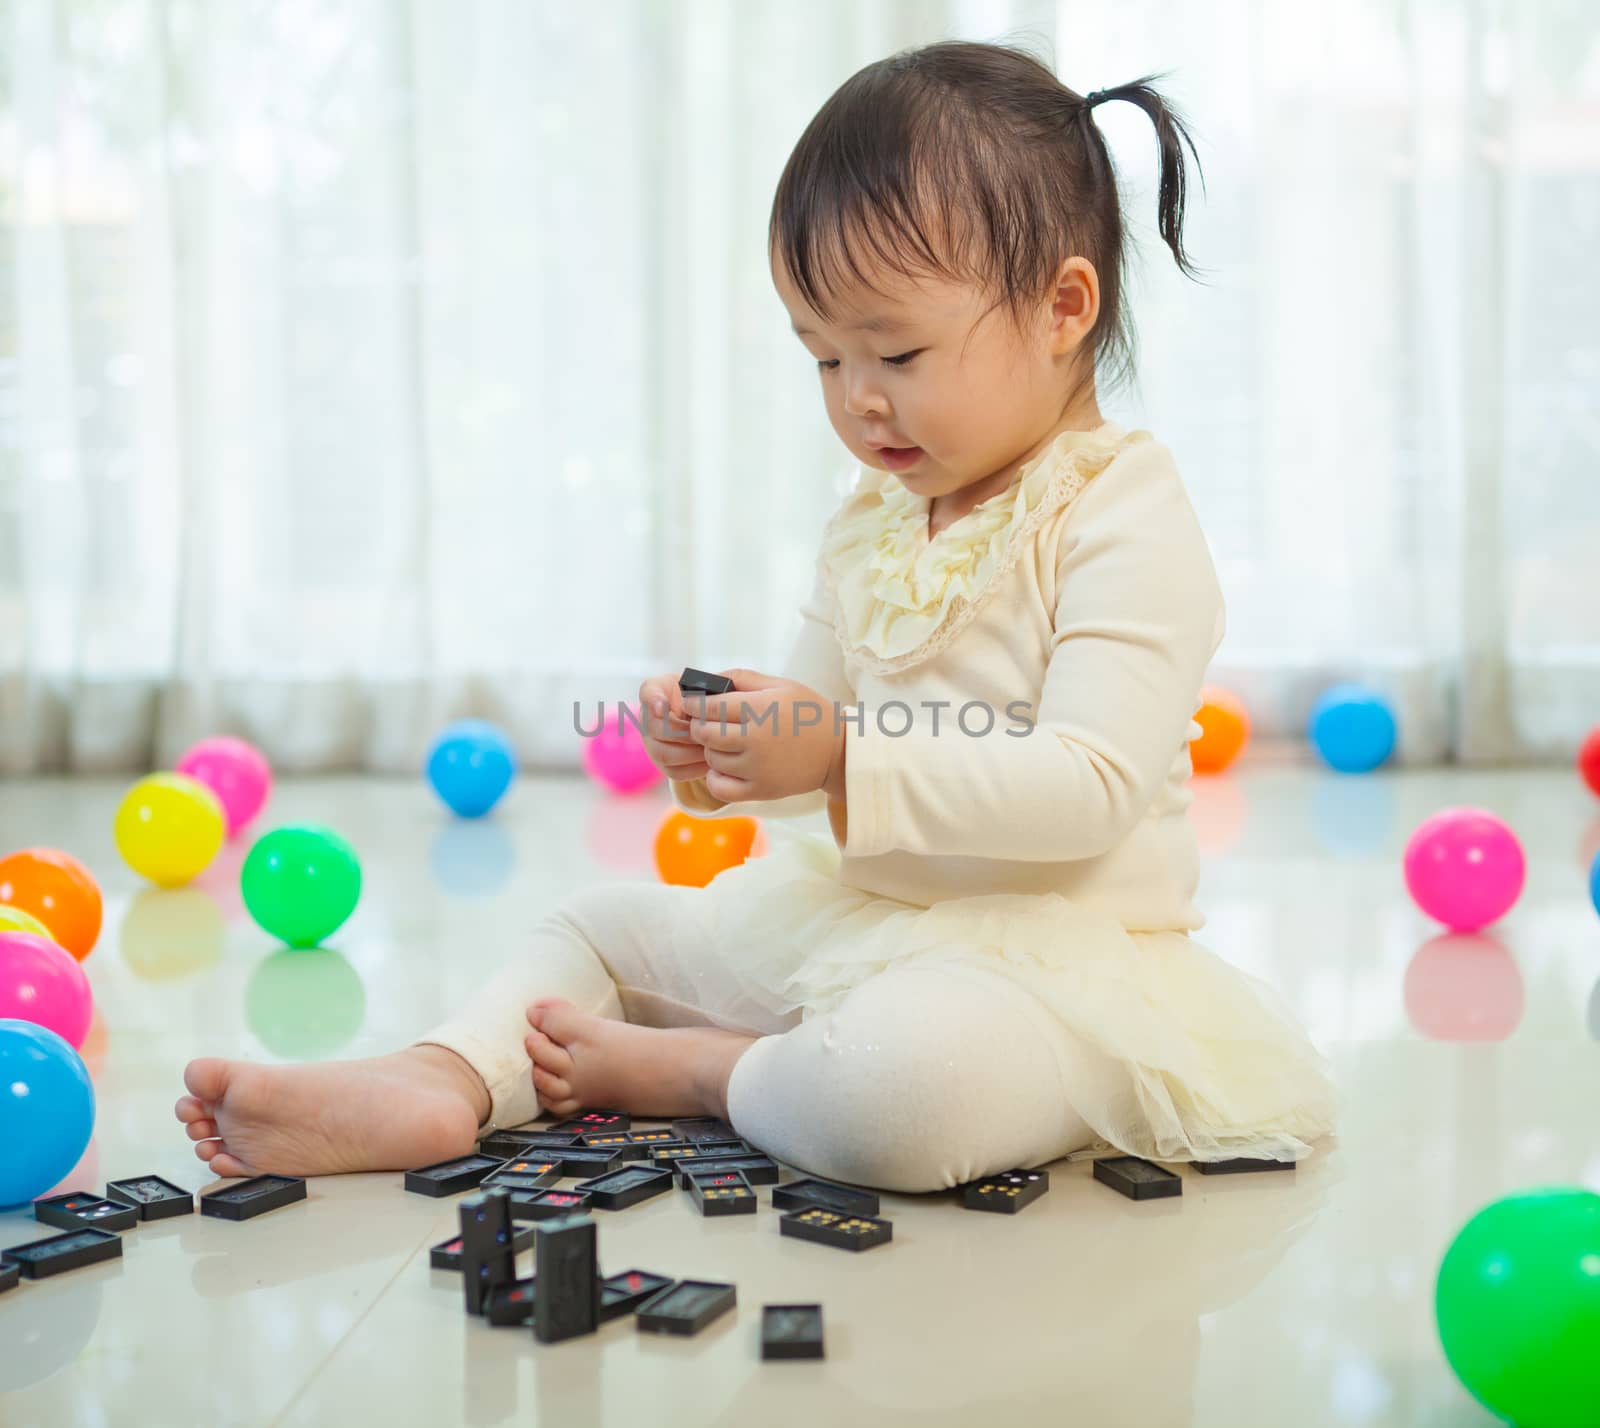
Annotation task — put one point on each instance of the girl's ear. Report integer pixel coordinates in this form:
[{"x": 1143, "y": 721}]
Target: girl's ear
[{"x": 1074, "y": 306}]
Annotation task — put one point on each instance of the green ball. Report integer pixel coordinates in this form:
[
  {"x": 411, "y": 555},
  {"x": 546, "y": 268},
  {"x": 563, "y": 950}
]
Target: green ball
[
  {"x": 1518, "y": 1307},
  {"x": 301, "y": 883}
]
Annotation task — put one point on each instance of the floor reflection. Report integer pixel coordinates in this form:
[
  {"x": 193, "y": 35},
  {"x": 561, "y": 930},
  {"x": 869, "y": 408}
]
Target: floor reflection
[
  {"x": 304, "y": 1004},
  {"x": 472, "y": 857},
  {"x": 169, "y": 933},
  {"x": 1464, "y": 986}
]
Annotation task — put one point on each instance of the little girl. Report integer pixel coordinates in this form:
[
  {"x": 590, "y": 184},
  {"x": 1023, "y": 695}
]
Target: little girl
[{"x": 989, "y": 964}]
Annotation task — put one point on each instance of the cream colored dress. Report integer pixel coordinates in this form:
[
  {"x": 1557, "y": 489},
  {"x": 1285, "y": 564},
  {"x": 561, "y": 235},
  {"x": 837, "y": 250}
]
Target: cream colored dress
[{"x": 1063, "y": 856}]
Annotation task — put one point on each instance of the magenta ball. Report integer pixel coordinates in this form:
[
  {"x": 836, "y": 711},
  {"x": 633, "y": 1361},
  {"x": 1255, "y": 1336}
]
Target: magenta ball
[
  {"x": 235, "y": 771},
  {"x": 616, "y": 757},
  {"x": 42, "y": 983},
  {"x": 1464, "y": 868}
]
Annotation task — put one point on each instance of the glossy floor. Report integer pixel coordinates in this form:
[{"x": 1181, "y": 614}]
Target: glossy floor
[{"x": 1470, "y": 1068}]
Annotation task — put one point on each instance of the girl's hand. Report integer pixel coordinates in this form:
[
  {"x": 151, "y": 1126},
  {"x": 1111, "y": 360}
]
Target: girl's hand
[
  {"x": 665, "y": 722},
  {"x": 770, "y": 738}
]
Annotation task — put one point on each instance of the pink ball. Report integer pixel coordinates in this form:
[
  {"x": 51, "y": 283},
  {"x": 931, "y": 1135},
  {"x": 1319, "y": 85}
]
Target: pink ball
[
  {"x": 616, "y": 757},
  {"x": 235, "y": 771},
  {"x": 41, "y": 983},
  {"x": 1464, "y": 868}
]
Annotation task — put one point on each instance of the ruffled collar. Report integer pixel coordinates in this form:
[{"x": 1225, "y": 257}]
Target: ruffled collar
[{"x": 901, "y": 595}]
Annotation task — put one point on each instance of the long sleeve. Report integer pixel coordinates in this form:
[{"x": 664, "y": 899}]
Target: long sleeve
[
  {"x": 1138, "y": 615},
  {"x": 815, "y": 660}
]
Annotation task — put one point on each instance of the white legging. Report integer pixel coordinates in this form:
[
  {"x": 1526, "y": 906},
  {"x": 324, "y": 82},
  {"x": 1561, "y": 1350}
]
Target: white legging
[{"x": 921, "y": 1078}]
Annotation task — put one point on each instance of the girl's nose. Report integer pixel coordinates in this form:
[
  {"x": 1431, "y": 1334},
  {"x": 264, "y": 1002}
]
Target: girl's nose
[{"x": 861, "y": 399}]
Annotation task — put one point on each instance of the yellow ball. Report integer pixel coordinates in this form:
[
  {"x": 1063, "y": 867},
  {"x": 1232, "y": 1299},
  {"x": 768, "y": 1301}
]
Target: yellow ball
[
  {"x": 169, "y": 828},
  {"x": 14, "y": 919}
]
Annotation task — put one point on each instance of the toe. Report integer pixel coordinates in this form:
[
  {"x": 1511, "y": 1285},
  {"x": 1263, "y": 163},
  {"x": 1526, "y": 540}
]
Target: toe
[
  {"x": 189, "y": 1109},
  {"x": 547, "y": 1056},
  {"x": 207, "y": 1149},
  {"x": 550, "y": 1088},
  {"x": 558, "y": 1018},
  {"x": 207, "y": 1078},
  {"x": 202, "y": 1130},
  {"x": 228, "y": 1166}
]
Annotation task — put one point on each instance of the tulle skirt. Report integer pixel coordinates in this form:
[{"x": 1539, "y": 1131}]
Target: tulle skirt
[{"x": 1169, "y": 1052}]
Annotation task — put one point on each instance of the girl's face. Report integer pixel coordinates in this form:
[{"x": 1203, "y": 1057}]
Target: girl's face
[{"x": 927, "y": 379}]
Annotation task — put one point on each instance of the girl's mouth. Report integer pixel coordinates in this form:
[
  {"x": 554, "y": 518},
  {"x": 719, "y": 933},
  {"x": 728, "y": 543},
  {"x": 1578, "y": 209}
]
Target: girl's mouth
[{"x": 900, "y": 458}]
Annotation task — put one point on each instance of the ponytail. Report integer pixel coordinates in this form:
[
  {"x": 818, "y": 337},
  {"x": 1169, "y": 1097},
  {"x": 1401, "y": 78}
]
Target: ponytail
[{"x": 1173, "y": 136}]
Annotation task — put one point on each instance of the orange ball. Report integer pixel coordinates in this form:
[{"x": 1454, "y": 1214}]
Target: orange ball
[
  {"x": 1224, "y": 730},
  {"x": 57, "y": 889},
  {"x": 691, "y": 851}
]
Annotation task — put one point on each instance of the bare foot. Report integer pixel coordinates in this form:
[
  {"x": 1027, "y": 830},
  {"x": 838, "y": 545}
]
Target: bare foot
[
  {"x": 582, "y": 1061},
  {"x": 396, "y": 1112}
]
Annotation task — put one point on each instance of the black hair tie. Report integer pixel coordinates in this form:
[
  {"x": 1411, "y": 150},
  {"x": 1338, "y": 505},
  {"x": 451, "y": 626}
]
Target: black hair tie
[{"x": 1090, "y": 100}]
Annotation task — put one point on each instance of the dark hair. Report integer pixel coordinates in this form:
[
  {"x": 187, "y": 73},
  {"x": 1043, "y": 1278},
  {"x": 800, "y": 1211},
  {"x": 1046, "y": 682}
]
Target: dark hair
[{"x": 971, "y": 162}]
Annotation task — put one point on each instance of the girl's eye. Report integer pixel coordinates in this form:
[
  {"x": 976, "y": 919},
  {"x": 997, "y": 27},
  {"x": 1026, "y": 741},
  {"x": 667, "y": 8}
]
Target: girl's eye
[{"x": 827, "y": 364}]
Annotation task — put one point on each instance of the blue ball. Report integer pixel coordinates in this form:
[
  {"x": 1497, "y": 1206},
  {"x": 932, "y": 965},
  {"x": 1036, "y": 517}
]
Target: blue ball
[
  {"x": 46, "y": 1110},
  {"x": 470, "y": 766},
  {"x": 1353, "y": 728},
  {"x": 1594, "y": 883}
]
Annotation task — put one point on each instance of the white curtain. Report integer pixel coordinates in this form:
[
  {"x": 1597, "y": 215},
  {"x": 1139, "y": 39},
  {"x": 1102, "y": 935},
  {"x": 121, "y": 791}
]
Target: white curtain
[{"x": 366, "y": 363}]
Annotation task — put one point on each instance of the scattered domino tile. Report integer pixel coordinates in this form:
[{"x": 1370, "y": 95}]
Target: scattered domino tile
[
  {"x": 447, "y": 1253},
  {"x": 586, "y": 1122},
  {"x": 687, "y": 1307},
  {"x": 824, "y": 1194},
  {"x": 1137, "y": 1179},
  {"x": 549, "y": 1205},
  {"x": 9, "y": 1275},
  {"x": 451, "y": 1177},
  {"x": 1240, "y": 1167},
  {"x": 524, "y": 1175},
  {"x": 623, "y": 1293},
  {"x": 567, "y": 1300},
  {"x": 791, "y": 1331},
  {"x": 757, "y": 1169},
  {"x": 153, "y": 1197},
  {"x": 699, "y": 1128},
  {"x": 724, "y": 1193},
  {"x": 628, "y": 1185},
  {"x": 249, "y": 1198},
  {"x": 1007, "y": 1192},
  {"x": 826, "y": 1227},
  {"x": 39, "y": 1259},
  {"x": 74, "y": 1210},
  {"x": 510, "y": 1305},
  {"x": 583, "y": 1164},
  {"x": 508, "y": 1145}
]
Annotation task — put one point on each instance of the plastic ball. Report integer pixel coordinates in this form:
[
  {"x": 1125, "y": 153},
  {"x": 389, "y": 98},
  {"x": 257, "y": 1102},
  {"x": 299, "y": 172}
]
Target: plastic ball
[
  {"x": 57, "y": 890},
  {"x": 615, "y": 754},
  {"x": 1352, "y": 728},
  {"x": 41, "y": 983},
  {"x": 1594, "y": 883},
  {"x": 691, "y": 851},
  {"x": 470, "y": 766},
  {"x": 46, "y": 1110},
  {"x": 1589, "y": 760},
  {"x": 14, "y": 919},
  {"x": 301, "y": 882},
  {"x": 1517, "y": 1303},
  {"x": 237, "y": 772},
  {"x": 1224, "y": 730},
  {"x": 169, "y": 828},
  {"x": 1464, "y": 868}
]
